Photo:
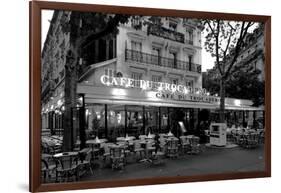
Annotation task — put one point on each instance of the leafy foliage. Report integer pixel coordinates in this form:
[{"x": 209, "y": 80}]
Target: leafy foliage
[{"x": 243, "y": 84}]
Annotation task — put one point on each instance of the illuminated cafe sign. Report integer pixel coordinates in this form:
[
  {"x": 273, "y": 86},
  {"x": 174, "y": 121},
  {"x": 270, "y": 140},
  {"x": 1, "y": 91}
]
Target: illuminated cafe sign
[{"x": 164, "y": 90}]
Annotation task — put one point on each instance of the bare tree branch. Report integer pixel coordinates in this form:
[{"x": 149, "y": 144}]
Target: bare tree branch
[
  {"x": 211, "y": 28},
  {"x": 243, "y": 33},
  {"x": 217, "y": 48},
  {"x": 228, "y": 41}
]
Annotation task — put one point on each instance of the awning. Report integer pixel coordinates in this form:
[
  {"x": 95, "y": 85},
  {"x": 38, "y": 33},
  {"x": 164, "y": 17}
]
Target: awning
[{"x": 108, "y": 95}]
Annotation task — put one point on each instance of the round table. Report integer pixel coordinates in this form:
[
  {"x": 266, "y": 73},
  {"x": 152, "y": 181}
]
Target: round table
[
  {"x": 65, "y": 154},
  {"x": 95, "y": 145}
]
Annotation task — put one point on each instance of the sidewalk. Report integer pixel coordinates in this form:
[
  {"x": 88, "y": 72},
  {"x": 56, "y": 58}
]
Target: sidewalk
[{"x": 211, "y": 161}]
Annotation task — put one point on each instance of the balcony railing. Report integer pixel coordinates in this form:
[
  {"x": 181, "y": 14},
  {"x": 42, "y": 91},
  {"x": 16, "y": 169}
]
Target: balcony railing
[
  {"x": 136, "y": 56},
  {"x": 165, "y": 33}
]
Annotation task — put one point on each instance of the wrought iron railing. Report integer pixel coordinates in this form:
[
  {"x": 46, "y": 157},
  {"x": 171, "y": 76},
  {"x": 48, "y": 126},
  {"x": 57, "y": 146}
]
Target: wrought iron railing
[{"x": 141, "y": 57}]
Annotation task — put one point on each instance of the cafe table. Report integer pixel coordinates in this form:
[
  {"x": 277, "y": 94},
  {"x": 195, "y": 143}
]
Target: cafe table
[
  {"x": 95, "y": 144},
  {"x": 148, "y": 146},
  {"x": 127, "y": 138},
  {"x": 65, "y": 154}
]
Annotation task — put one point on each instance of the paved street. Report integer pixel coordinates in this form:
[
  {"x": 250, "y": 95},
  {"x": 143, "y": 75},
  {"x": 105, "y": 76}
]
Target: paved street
[{"x": 211, "y": 161}]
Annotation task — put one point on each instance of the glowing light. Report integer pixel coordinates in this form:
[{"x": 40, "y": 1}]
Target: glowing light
[
  {"x": 152, "y": 95},
  {"x": 118, "y": 92},
  {"x": 185, "y": 91},
  {"x": 237, "y": 102},
  {"x": 118, "y": 117},
  {"x": 59, "y": 102},
  {"x": 144, "y": 87}
]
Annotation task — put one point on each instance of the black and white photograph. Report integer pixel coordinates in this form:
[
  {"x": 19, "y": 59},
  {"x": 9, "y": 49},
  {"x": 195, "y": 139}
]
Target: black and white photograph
[{"x": 145, "y": 96}]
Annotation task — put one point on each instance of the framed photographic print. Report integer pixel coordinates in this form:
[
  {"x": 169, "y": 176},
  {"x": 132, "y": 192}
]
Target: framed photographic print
[{"x": 124, "y": 96}]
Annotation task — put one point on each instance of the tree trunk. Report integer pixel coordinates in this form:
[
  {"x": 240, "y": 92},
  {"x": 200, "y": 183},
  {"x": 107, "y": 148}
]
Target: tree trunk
[
  {"x": 70, "y": 101},
  {"x": 222, "y": 101},
  {"x": 82, "y": 124}
]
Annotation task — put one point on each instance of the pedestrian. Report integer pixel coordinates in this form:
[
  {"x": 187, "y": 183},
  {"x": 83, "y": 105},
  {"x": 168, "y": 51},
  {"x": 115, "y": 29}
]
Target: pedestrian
[{"x": 157, "y": 142}]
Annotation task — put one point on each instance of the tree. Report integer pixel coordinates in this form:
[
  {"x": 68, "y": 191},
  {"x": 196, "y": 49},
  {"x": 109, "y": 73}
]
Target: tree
[
  {"x": 243, "y": 84},
  {"x": 83, "y": 28},
  {"x": 225, "y": 40}
]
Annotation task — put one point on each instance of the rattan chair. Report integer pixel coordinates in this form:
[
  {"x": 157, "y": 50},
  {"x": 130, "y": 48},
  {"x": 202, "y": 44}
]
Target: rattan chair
[
  {"x": 84, "y": 164},
  {"x": 194, "y": 144},
  {"x": 117, "y": 156},
  {"x": 172, "y": 148},
  {"x": 138, "y": 149},
  {"x": 184, "y": 144},
  {"x": 66, "y": 168}
]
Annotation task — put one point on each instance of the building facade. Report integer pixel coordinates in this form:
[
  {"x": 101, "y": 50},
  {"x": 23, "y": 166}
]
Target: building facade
[
  {"x": 53, "y": 60},
  {"x": 144, "y": 78}
]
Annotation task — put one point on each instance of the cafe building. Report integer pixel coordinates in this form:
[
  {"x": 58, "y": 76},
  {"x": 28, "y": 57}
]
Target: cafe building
[{"x": 144, "y": 81}]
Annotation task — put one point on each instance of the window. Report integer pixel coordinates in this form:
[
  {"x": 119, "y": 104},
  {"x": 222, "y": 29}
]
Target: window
[
  {"x": 156, "y": 78},
  {"x": 115, "y": 121},
  {"x": 156, "y": 59},
  {"x": 109, "y": 72},
  {"x": 136, "y": 51},
  {"x": 190, "y": 62},
  {"x": 174, "y": 81},
  {"x": 112, "y": 48},
  {"x": 190, "y": 36},
  {"x": 173, "y": 61},
  {"x": 136, "y": 46},
  {"x": 152, "y": 120},
  {"x": 135, "y": 120},
  {"x": 95, "y": 119},
  {"x": 189, "y": 83},
  {"x": 137, "y": 77}
]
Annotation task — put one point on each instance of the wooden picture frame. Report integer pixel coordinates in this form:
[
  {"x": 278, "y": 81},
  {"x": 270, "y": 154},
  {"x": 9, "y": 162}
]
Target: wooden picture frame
[{"x": 35, "y": 8}]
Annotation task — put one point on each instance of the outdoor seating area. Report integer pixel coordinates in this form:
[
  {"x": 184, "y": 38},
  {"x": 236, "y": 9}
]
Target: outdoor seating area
[
  {"x": 58, "y": 166},
  {"x": 246, "y": 138}
]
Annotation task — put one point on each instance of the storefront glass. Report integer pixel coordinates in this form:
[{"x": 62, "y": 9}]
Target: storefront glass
[
  {"x": 115, "y": 121},
  {"x": 152, "y": 119},
  {"x": 96, "y": 119},
  {"x": 135, "y": 121}
]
